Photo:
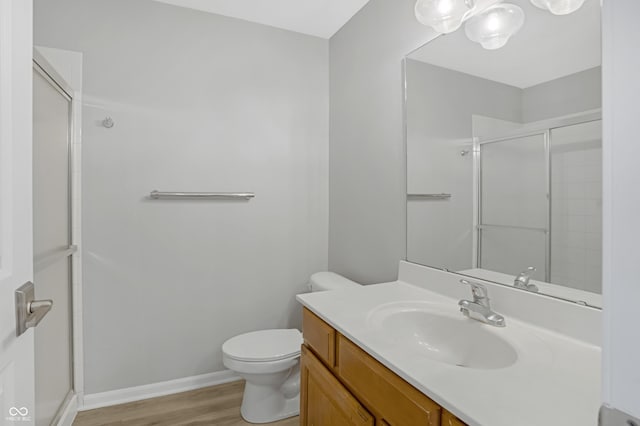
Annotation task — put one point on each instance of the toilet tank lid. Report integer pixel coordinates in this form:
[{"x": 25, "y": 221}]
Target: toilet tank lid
[{"x": 322, "y": 281}]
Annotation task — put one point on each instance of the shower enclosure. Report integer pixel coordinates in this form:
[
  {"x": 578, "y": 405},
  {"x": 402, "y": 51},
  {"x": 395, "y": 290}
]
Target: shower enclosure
[
  {"x": 52, "y": 242},
  {"x": 538, "y": 201}
]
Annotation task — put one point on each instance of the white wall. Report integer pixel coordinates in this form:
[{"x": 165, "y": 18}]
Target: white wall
[
  {"x": 621, "y": 288},
  {"x": 200, "y": 103}
]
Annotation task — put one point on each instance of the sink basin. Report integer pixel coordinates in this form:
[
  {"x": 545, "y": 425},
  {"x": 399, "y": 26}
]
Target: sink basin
[{"x": 443, "y": 334}]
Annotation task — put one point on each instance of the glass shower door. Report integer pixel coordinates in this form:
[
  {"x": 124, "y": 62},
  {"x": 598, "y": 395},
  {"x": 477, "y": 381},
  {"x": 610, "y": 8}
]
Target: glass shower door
[
  {"x": 513, "y": 201},
  {"x": 576, "y": 206},
  {"x": 52, "y": 239}
]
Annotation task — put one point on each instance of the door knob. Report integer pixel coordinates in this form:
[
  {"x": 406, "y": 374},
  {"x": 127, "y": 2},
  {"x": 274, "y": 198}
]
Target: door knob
[{"x": 29, "y": 312}]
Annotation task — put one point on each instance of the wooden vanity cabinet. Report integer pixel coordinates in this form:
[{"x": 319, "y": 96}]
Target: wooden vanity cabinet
[
  {"x": 449, "y": 419},
  {"x": 390, "y": 397},
  {"x": 324, "y": 400},
  {"x": 320, "y": 337},
  {"x": 343, "y": 385}
]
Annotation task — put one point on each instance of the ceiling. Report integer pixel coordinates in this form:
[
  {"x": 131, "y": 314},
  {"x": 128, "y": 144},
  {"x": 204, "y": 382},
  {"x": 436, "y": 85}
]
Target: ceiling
[
  {"x": 547, "y": 47},
  {"x": 321, "y": 18}
]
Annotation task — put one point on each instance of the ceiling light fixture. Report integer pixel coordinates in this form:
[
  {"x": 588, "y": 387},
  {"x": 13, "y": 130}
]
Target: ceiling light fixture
[
  {"x": 495, "y": 25},
  {"x": 444, "y": 16},
  {"x": 559, "y": 7},
  {"x": 489, "y": 22}
]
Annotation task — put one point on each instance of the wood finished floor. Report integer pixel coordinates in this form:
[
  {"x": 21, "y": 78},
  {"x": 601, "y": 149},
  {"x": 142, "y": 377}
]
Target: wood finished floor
[{"x": 217, "y": 405}]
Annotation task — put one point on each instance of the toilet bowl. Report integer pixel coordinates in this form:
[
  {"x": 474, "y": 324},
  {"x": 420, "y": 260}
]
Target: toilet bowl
[{"x": 269, "y": 361}]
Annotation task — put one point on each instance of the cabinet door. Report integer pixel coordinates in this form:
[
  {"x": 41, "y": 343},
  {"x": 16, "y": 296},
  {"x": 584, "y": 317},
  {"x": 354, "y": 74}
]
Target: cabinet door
[
  {"x": 449, "y": 419},
  {"x": 320, "y": 337},
  {"x": 392, "y": 399},
  {"x": 323, "y": 399}
]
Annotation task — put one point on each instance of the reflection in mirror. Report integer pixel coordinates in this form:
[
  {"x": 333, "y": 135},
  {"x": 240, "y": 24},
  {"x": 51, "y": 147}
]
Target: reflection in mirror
[{"x": 504, "y": 155}]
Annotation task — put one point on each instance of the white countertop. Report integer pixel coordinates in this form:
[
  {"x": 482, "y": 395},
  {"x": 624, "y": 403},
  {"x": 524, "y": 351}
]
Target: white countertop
[{"x": 555, "y": 382}]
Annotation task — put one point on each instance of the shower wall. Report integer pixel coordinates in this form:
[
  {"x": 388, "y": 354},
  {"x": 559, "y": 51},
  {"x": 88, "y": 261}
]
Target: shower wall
[{"x": 200, "y": 102}]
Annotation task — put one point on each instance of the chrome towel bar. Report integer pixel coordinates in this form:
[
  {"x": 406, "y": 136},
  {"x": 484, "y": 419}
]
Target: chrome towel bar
[
  {"x": 430, "y": 196},
  {"x": 157, "y": 195}
]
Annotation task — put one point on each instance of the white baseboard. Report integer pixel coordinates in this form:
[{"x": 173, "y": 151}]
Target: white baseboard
[
  {"x": 137, "y": 393},
  {"x": 69, "y": 412}
]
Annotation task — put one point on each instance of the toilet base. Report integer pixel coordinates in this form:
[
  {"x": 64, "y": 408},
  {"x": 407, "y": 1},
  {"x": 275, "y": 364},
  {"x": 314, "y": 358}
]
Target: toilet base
[
  {"x": 253, "y": 414},
  {"x": 265, "y": 404}
]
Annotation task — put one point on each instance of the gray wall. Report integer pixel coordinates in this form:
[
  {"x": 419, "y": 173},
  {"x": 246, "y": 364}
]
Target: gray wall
[
  {"x": 366, "y": 154},
  {"x": 200, "y": 103},
  {"x": 574, "y": 93}
]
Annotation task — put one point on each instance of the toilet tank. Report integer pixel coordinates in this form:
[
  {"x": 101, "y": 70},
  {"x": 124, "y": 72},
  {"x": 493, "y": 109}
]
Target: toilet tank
[{"x": 323, "y": 281}]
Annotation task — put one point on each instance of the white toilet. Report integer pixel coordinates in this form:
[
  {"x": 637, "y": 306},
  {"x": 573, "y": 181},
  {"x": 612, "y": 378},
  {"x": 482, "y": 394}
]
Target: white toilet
[{"x": 269, "y": 361}]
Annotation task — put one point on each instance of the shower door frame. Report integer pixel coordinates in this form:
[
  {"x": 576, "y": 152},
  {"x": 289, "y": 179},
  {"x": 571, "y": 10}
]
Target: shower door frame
[
  {"x": 67, "y": 72},
  {"x": 58, "y": 84},
  {"x": 544, "y": 127}
]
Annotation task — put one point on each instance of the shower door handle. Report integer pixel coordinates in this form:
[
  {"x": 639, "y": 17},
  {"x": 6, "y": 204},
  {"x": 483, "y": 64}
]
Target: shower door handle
[
  {"x": 37, "y": 310},
  {"x": 29, "y": 312}
]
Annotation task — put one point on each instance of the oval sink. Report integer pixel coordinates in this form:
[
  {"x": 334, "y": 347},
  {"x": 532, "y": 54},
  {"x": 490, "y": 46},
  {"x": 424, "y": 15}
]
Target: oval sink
[{"x": 436, "y": 333}]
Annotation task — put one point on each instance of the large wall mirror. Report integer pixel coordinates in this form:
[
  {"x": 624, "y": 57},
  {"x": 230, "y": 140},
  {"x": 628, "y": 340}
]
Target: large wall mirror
[{"x": 504, "y": 155}]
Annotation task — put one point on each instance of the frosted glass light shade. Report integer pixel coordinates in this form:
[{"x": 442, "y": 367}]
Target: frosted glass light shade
[
  {"x": 444, "y": 16},
  {"x": 495, "y": 25},
  {"x": 559, "y": 7}
]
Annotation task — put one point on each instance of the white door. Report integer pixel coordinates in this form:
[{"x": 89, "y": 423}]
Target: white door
[{"x": 16, "y": 240}]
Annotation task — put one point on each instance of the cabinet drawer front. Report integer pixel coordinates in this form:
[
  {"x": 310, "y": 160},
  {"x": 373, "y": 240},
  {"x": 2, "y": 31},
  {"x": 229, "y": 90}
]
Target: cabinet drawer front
[
  {"x": 324, "y": 400},
  {"x": 449, "y": 419},
  {"x": 392, "y": 399},
  {"x": 320, "y": 337}
]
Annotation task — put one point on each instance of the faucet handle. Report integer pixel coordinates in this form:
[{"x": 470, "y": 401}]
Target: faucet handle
[
  {"x": 528, "y": 272},
  {"x": 523, "y": 278},
  {"x": 479, "y": 290}
]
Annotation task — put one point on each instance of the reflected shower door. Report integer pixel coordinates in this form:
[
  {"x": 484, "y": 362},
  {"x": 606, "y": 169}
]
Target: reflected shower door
[
  {"x": 513, "y": 201},
  {"x": 51, "y": 239},
  {"x": 576, "y": 206}
]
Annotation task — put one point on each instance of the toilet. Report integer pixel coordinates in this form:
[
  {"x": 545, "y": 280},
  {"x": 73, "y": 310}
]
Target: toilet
[{"x": 269, "y": 361}]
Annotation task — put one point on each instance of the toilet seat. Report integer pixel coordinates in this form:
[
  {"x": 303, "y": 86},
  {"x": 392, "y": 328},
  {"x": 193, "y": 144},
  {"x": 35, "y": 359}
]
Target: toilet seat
[{"x": 264, "y": 346}]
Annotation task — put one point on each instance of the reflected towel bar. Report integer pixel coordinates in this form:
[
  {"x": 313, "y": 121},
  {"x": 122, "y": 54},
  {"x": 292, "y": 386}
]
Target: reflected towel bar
[
  {"x": 430, "y": 196},
  {"x": 156, "y": 195},
  {"x": 522, "y": 228}
]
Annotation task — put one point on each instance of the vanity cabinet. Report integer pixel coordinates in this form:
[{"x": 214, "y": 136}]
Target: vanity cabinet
[
  {"x": 320, "y": 337},
  {"x": 343, "y": 385},
  {"x": 324, "y": 400},
  {"x": 449, "y": 419}
]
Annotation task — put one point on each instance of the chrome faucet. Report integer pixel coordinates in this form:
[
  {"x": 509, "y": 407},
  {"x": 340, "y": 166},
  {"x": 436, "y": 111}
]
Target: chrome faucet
[
  {"x": 480, "y": 309},
  {"x": 522, "y": 280}
]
